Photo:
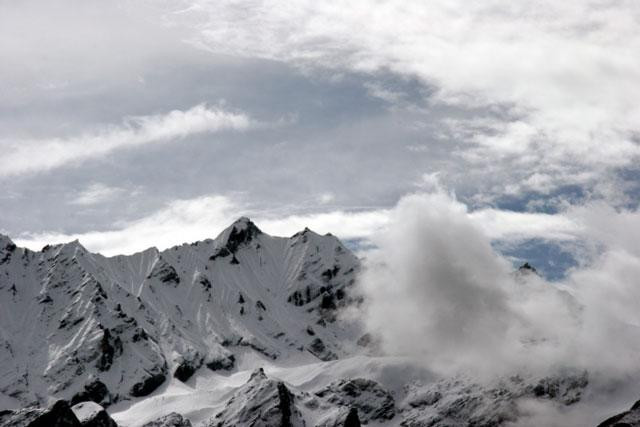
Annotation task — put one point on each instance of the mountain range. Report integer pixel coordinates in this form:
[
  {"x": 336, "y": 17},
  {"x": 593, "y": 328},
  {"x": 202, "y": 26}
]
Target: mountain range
[{"x": 245, "y": 329}]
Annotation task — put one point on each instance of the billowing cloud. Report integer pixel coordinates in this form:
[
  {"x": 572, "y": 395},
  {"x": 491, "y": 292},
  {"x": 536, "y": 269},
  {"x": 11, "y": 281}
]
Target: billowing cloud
[
  {"x": 42, "y": 155},
  {"x": 438, "y": 280},
  {"x": 456, "y": 304}
]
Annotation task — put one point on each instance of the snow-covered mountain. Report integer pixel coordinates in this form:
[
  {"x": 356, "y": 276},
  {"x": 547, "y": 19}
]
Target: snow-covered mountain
[
  {"x": 76, "y": 324},
  {"x": 245, "y": 329}
]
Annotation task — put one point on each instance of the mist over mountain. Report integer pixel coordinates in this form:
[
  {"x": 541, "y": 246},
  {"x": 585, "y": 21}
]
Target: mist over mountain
[{"x": 250, "y": 329}]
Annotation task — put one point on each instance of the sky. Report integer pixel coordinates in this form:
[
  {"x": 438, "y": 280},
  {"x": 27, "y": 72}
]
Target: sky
[{"x": 129, "y": 124}]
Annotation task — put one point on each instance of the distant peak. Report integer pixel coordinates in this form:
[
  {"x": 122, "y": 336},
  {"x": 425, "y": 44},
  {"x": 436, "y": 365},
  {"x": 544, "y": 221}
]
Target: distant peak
[{"x": 527, "y": 268}]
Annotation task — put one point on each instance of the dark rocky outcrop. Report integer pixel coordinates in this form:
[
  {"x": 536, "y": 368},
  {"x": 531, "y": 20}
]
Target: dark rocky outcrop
[
  {"x": 352, "y": 419},
  {"x": 222, "y": 364},
  {"x": 320, "y": 350},
  {"x": 367, "y": 397},
  {"x": 630, "y": 418},
  {"x": 58, "y": 415},
  {"x": 169, "y": 275},
  {"x": 94, "y": 391},
  {"x": 110, "y": 348},
  {"x": 284, "y": 405},
  {"x": 242, "y": 233},
  {"x": 5, "y": 254},
  {"x": 148, "y": 385},
  {"x": 186, "y": 368},
  {"x": 170, "y": 420}
]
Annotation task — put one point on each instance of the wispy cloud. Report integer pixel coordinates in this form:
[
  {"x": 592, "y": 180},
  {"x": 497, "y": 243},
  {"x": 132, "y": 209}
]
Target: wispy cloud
[
  {"x": 96, "y": 193},
  {"x": 41, "y": 155}
]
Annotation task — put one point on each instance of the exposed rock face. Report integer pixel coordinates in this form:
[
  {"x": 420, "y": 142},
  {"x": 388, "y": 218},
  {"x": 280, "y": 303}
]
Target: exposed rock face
[
  {"x": 170, "y": 420},
  {"x": 458, "y": 401},
  {"x": 58, "y": 415},
  {"x": 352, "y": 419},
  {"x": 261, "y": 402},
  {"x": 186, "y": 368},
  {"x": 110, "y": 347},
  {"x": 241, "y": 233},
  {"x": 318, "y": 349},
  {"x": 367, "y": 397},
  {"x": 630, "y": 418},
  {"x": 90, "y": 414},
  {"x": 94, "y": 391},
  {"x": 222, "y": 363},
  {"x": 150, "y": 382}
]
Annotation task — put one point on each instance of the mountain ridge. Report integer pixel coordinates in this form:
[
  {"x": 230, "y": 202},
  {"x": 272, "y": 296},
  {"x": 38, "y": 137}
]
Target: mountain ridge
[{"x": 156, "y": 314}]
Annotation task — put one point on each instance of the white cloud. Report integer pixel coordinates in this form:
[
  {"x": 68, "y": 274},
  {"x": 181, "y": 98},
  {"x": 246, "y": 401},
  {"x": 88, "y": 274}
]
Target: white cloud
[
  {"x": 346, "y": 225},
  {"x": 204, "y": 217},
  {"x": 325, "y": 198},
  {"x": 565, "y": 71},
  {"x": 440, "y": 282},
  {"x": 41, "y": 155},
  {"x": 456, "y": 306},
  {"x": 179, "y": 222},
  {"x": 96, "y": 193},
  {"x": 509, "y": 225}
]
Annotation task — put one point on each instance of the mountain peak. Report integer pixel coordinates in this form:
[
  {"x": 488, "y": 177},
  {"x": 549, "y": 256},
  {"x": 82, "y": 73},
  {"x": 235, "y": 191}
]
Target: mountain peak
[
  {"x": 527, "y": 268},
  {"x": 74, "y": 246},
  {"x": 238, "y": 234},
  {"x": 242, "y": 225},
  {"x": 243, "y": 221}
]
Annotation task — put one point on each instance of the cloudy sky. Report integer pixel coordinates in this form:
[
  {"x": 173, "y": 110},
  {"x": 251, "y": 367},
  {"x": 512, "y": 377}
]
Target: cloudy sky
[{"x": 128, "y": 124}]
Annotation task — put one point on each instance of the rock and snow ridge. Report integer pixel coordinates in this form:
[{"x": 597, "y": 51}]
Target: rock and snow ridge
[
  {"x": 76, "y": 325},
  {"x": 240, "y": 330}
]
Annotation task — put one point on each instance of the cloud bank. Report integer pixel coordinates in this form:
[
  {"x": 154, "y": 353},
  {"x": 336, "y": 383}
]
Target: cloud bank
[
  {"x": 189, "y": 220},
  {"x": 457, "y": 305}
]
